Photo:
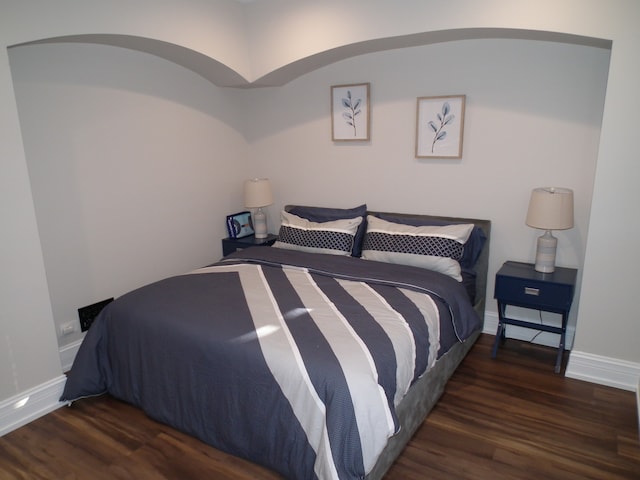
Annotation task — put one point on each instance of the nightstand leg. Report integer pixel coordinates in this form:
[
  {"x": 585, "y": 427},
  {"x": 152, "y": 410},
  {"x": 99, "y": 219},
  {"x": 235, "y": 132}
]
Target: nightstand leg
[
  {"x": 496, "y": 342},
  {"x": 565, "y": 317},
  {"x": 500, "y": 333},
  {"x": 560, "y": 352}
]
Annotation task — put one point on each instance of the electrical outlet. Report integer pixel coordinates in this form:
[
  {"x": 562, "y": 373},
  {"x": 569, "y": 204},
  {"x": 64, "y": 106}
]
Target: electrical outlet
[
  {"x": 67, "y": 328},
  {"x": 90, "y": 312}
]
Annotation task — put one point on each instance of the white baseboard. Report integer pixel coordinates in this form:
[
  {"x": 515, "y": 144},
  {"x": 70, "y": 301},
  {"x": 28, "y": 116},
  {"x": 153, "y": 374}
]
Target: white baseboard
[
  {"x": 68, "y": 354},
  {"x": 31, "y": 404},
  {"x": 603, "y": 370},
  {"x": 591, "y": 368},
  {"x": 38, "y": 401}
]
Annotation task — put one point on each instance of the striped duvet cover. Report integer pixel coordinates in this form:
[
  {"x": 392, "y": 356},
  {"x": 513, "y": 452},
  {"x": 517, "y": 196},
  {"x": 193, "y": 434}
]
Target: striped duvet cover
[{"x": 293, "y": 360}]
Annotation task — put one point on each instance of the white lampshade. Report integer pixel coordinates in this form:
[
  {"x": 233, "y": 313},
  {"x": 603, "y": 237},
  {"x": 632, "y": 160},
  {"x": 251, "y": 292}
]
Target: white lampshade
[
  {"x": 257, "y": 194},
  {"x": 550, "y": 208}
]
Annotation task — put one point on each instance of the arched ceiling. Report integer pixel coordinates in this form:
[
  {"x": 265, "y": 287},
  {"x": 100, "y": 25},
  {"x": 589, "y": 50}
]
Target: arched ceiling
[{"x": 221, "y": 75}]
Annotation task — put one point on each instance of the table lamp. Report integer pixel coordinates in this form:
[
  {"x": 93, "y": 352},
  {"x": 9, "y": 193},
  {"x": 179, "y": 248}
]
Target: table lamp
[
  {"x": 550, "y": 208},
  {"x": 257, "y": 194}
]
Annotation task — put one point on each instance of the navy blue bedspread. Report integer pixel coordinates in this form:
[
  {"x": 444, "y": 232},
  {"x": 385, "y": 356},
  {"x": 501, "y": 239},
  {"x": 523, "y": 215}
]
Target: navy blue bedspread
[{"x": 293, "y": 360}]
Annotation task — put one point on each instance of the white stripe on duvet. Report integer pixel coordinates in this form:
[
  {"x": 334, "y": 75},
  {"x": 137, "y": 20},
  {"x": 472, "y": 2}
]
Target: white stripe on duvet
[
  {"x": 374, "y": 419},
  {"x": 429, "y": 310},
  {"x": 394, "y": 326}
]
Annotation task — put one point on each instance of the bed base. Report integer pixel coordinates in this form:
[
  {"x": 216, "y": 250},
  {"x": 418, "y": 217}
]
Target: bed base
[{"x": 418, "y": 402}]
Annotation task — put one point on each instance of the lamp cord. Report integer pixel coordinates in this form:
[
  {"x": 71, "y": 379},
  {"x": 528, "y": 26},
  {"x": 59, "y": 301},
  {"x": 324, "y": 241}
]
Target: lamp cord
[{"x": 539, "y": 332}]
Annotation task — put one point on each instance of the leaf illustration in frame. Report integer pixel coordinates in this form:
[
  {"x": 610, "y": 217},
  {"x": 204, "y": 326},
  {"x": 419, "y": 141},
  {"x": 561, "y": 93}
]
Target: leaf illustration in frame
[
  {"x": 440, "y": 126},
  {"x": 350, "y": 112}
]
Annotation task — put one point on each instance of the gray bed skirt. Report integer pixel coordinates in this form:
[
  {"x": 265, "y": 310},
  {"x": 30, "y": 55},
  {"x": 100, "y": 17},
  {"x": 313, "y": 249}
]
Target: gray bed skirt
[{"x": 418, "y": 402}]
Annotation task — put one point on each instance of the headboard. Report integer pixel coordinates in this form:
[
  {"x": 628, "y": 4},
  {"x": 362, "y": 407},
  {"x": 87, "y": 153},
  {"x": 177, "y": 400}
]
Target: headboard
[{"x": 482, "y": 264}]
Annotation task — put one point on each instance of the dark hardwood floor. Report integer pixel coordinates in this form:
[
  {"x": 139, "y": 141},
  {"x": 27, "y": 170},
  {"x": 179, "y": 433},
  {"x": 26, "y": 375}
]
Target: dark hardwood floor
[{"x": 509, "y": 418}]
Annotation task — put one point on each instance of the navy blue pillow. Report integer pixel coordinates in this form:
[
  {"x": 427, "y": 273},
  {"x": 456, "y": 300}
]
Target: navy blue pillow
[{"x": 324, "y": 214}]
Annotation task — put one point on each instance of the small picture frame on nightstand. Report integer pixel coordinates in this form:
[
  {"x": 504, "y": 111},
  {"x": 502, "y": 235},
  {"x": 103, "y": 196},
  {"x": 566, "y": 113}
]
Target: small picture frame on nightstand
[{"x": 239, "y": 225}]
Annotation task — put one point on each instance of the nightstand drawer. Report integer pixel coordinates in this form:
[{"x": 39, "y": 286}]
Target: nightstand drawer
[
  {"x": 538, "y": 295},
  {"x": 519, "y": 284}
]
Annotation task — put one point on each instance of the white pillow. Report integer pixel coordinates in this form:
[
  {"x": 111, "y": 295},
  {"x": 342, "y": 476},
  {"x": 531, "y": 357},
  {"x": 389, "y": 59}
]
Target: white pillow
[
  {"x": 335, "y": 237},
  {"x": 432, "y": 247}
]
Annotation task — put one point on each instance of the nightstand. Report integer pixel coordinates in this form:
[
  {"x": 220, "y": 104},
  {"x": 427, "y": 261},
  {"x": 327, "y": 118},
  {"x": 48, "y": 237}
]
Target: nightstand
[
  {"x": 518, "y": 284},
  {"x": 230, "y": 245}
]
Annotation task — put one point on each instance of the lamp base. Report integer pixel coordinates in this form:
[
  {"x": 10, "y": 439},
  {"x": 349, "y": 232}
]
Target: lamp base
[
  {"x": 546, "y": 253},
  {"x": 260, "y": 224}
]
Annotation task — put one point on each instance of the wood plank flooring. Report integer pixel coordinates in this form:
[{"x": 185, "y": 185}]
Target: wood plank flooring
[{"x": 508, "y": 418}]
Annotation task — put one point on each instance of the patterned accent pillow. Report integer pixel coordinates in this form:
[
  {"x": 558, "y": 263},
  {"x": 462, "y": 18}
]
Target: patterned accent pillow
[
  {"x": 437, "y": 248},
  {"x": 328, "y": 214},
  {"x": 335, "y": 237}
]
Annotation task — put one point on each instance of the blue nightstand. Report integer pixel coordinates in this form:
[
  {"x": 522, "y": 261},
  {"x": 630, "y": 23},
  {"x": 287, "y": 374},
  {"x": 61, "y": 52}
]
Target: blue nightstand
[
  {"x": 518, "y": 284},
  {"x": 230, "y": 245}
]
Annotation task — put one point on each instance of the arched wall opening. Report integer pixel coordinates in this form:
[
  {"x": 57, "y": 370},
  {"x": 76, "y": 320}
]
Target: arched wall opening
[{"x": 198, "y": 96}]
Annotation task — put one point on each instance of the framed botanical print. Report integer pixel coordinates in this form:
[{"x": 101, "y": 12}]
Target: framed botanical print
[
  {"x": 440, "y": 126},
  {"x": 350, "y": 112}
]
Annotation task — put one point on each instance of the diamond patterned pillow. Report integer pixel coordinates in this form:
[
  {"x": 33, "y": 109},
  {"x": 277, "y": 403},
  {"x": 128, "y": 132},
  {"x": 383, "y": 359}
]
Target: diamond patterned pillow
[
  {"x": 329, "y": 214},
  {"x": 436, "y": 248},
  {"x": 335, "y": 237}
]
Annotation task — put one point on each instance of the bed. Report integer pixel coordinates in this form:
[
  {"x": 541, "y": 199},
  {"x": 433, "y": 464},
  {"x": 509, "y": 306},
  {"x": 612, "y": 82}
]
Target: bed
[{"x": 318, "y": 357}]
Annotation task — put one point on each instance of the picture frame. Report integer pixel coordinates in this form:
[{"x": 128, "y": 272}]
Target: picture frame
[
  {"x": 239, "y": 224},
  {"x": 440, "y": 126},
  {"x": 350, "y": 112}
]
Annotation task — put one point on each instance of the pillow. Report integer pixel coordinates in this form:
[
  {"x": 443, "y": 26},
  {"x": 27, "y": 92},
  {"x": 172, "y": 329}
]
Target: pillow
[
  {"x": 335, "y": 237},
  {"x": 437, "y": 248},
  {"x": 472, "y": 248},
  {"x": 324, "y": 214}
]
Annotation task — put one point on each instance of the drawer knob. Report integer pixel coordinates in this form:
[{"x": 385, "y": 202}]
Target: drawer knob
[{"x": 531, "y": 291}]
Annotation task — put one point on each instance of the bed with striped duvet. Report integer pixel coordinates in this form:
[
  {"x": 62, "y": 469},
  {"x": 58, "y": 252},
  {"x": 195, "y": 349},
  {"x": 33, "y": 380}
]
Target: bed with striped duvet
[{"x": 296, "y": 361}]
